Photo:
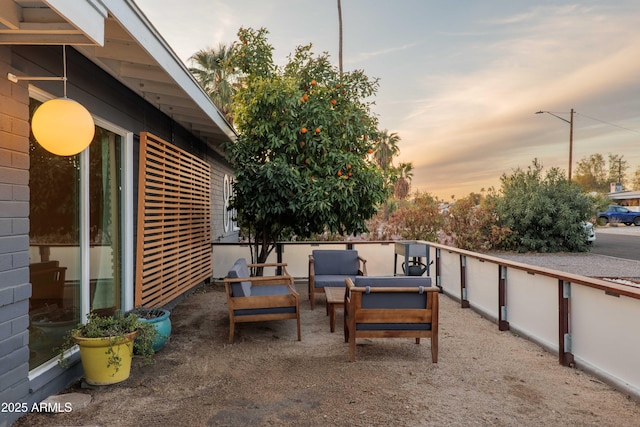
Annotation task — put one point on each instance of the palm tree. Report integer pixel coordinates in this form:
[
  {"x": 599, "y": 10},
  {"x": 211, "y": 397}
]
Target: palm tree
[
  {"x": 212, "y": 70},
  {"x": 385, "y": 149},
  {"x": 340, "y": 36},
  {"x": 403, "y": 184}
]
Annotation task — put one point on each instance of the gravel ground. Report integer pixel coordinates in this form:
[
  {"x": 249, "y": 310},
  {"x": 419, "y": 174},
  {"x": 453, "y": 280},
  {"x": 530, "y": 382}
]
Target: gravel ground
[
  {"x": 585, "y": 264},
  {"x": 267, "y": 378}
]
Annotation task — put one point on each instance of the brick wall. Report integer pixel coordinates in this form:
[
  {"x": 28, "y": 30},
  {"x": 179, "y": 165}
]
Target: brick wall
[{"x": 15, "y": 289}]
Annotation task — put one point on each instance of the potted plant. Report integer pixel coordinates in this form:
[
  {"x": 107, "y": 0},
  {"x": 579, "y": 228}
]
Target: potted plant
[
  {"x": 159, "y": 318},
  {"x": 106, "y": 346}
]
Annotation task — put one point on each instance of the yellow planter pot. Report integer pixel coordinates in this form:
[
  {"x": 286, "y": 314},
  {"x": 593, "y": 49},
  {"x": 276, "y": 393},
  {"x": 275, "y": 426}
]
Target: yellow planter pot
[{"x": 95, "y": 354}]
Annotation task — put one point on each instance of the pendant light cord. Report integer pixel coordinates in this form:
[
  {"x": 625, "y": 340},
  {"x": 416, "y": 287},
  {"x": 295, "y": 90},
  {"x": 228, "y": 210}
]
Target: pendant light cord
[{"x": 64, "y": 69}]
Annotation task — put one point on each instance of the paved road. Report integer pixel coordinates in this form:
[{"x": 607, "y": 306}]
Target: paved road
[{"x": 620, "y": 242}]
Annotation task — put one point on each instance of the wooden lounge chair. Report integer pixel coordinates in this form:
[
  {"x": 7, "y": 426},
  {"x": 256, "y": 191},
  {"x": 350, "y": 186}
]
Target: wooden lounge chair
[
  {"x": 391, "y": 307},
  {"x": 257, "y": 299},
  {"x": 329, "y": 268}
]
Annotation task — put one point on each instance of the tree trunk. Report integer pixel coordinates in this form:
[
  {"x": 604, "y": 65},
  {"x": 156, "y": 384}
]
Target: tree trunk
[{"x": 340, "y": 36}]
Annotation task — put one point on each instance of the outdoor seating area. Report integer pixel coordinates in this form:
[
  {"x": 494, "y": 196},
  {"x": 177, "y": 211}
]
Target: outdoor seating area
[
  {"x": 267, "y": 377},
  {"x": 374, "y": 307}
]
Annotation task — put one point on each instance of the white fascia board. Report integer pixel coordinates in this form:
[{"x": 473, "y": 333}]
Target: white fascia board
[
  {"x": 88, "y": 16},
  {"x": 134, "y": 21}
]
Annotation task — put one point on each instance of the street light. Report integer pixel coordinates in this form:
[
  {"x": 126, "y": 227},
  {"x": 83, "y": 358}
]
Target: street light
[{"x": 570, "y": 135}]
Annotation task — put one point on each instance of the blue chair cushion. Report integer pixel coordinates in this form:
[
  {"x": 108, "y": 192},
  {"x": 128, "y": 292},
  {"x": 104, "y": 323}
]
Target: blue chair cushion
[
  {"x": 392, "y": 281},
  {"x": 273, "y": 310},
  {"x": 335, "y": 262},
  {"x": 331, "y": 280},
  {"x": 267, "y": 290},
  {"x": 391, "y": 299},
  {"x": 240, "y": 270},
  {"x": 394, "y": 300}
]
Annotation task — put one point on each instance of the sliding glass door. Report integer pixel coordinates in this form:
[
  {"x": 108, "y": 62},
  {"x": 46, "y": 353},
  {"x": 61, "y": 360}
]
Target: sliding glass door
[{"x": 75, "y": 218}]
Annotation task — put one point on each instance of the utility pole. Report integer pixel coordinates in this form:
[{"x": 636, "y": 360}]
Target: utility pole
[
  {"x": 570, "y": 144},
  {"x": 570, "y": 121}
]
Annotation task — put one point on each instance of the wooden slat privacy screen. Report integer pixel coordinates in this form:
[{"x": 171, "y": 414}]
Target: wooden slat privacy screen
[{"x": 174, "y": 222}]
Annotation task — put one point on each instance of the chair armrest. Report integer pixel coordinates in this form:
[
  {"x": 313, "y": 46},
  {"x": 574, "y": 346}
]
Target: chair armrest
[
  {"x": 261, "y": 280},
  {"x": 362, "y": 270},
  {"x": 281, "y": 267},
  {"x": 268, "y": 264},
  {"x": 312, "y": 269},
  {"x": 280, "y": 280}
]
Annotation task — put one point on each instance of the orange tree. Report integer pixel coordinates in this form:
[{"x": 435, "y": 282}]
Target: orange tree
[{"x": 302, "y": 159}]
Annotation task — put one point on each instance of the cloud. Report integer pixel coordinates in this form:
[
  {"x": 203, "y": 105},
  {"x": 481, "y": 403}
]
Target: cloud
[
  {"x": 364, "y": 56},
  {"x": 470, "y": 127}
]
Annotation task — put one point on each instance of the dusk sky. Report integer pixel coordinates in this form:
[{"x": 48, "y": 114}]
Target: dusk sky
[{"x": 460, "y": 81}]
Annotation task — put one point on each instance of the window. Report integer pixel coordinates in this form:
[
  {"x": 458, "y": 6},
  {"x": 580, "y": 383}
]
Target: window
[
  {"x": 228, "y": 215},
  {"x": 72, "y": 257}
]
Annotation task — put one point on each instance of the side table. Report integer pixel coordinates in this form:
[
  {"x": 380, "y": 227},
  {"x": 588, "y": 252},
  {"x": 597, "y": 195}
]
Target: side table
[{"x": 335, "y": 298}]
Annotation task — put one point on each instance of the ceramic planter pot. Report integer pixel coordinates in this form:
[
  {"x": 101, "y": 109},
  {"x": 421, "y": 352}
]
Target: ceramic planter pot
[
  {"x": 160, "y": 319},
  {"x": 94, "y": 354}
]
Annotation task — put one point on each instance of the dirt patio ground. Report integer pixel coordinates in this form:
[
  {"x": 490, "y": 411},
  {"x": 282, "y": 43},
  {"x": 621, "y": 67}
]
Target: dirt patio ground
[{"x": 483, "y": 377}]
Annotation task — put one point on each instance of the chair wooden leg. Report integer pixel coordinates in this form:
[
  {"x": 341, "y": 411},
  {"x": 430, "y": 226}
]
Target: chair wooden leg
[
  {"x": 352, "y": 348},
  {"x": 298, "y": 319},
  {"x": 418, "y": 340},
  {"x": 312, "y": 298},
  {"x": 345, "y": 324},
  {"x": 231, "y": 331},
  {"x": 434, "y": 348}
]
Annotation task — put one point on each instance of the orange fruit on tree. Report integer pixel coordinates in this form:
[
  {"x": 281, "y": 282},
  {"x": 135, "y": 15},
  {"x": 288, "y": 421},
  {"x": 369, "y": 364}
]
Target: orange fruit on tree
[
  {"x": 305, "y": 97},
  {"x": 306, "y": 161},
  {"x": 348, "y": 166},
  {"x": 303, "y": 130},
  {"x": 334, "y": 102},
  {"x": 369, "y": 151},
  {"x": 339, "y": 173},
  {"x": 317, "y": 130},
  {"x": 313, "y": 82},
  {"x": 302, "y": 143}
]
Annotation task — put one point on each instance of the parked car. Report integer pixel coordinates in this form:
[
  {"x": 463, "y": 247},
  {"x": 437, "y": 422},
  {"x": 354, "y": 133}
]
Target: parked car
[{"x": 615, "y": 213}]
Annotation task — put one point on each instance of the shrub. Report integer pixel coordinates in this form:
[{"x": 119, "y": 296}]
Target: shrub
[
  {"x": 419, "y": 220},
  {"x": 472, "y": 224},
  {"x": 543, "y": 211}
]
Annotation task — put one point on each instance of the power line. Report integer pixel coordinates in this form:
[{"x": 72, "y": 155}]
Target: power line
[{"x": 607, "y": 123}]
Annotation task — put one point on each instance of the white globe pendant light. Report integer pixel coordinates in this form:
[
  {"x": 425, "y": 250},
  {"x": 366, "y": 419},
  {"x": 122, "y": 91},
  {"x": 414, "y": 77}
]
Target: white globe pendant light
[{"x": 63, "y": 127}]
